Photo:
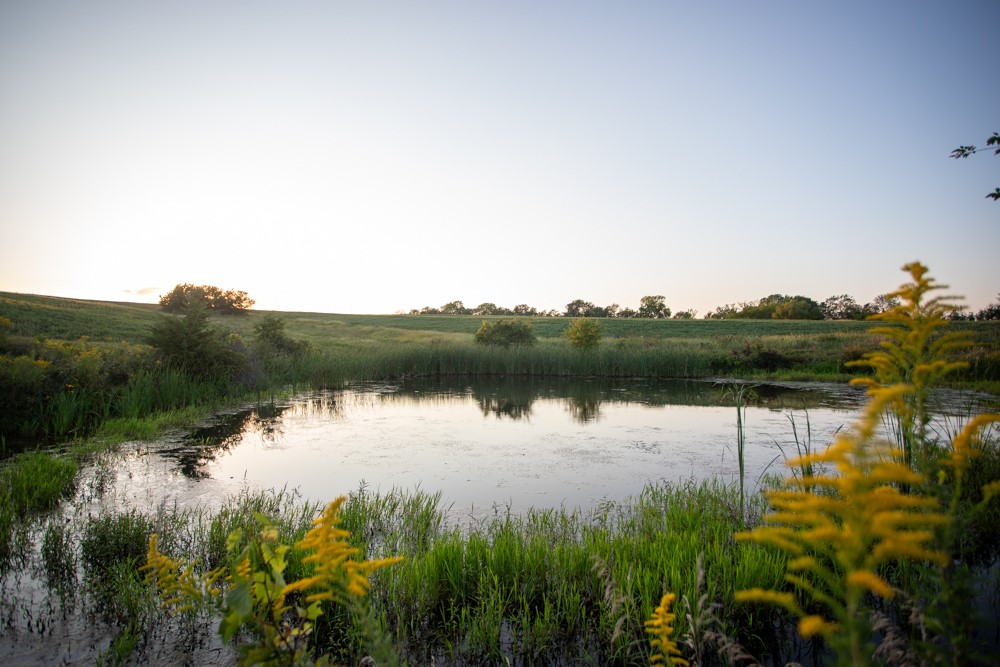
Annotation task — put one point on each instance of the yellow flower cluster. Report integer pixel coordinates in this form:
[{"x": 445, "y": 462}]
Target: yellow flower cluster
[
  {"x": 256, "y": 590},
  {"x": 332, "y": 559},
  {"x": 660, "y": 627},
  {"x": 862, "y": 508},
  {"x": 840, "y": 526}
]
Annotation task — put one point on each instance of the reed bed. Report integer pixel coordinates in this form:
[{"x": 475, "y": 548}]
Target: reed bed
[{"x": 554, "y": 584}]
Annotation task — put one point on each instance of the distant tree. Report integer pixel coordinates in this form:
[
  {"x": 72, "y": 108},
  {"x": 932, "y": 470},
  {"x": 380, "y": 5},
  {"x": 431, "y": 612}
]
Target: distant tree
[
  {"x": 524, "y": 310},
  {"x": 429, "y": 310},
  {"x": 185, "y": 295},
  {"x": 653, "y": 307},
  {"x": 627, "y": 313},
  {"x": 579, "y": 308},
  {"x": 966, "y": 151},
  {"x": 584, "y": 333},
  {"x": 841, "y": 307},
  {"x": 774, "y": 306},
  {"x": 726, "y": 312},
  {"x": 689, "y": 314},
  {"x": 506, "y": 333},
  {"x": 990, "y": 312},
  {"x": 455, "y": 308},
  {"x": 881, "y": 304},
  {"x": 486, "y": 309},
  {"x": 797, "y": 308}
]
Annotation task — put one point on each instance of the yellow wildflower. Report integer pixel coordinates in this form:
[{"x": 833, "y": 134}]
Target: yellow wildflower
[{"x": 660, "y": 627}]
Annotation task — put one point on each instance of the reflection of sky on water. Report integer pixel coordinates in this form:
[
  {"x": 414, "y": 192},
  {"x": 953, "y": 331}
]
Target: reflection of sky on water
[
  {"x": 507, "y": 442},
  {"x": 546, "y": 451}
]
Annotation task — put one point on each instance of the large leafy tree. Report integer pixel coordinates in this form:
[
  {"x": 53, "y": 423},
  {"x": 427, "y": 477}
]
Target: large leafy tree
[
  {"x": 653, "y": 307},
  {"x": 579, "y": 308},
  {"x": 966, "y": 151},
  {"x": 209, "y": 297}
]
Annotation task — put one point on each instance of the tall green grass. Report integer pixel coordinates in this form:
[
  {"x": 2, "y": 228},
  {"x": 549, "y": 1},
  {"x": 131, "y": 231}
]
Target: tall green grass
[
  {"x": 30, "y": 482},
  {"x": 553, "y": 584}
]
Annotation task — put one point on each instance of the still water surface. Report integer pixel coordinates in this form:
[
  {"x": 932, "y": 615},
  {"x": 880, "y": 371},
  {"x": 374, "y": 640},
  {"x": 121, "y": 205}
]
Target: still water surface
[{"x": 491, "y": 443}]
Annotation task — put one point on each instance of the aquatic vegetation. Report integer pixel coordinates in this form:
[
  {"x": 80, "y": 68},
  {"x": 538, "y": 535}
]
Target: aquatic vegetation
[
  {"x": 843, "y": 528},
  {"x": 251, "y": 592}
]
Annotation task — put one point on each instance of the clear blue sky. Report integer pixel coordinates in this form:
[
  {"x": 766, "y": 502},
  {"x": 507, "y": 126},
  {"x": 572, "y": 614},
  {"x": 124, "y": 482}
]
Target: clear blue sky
[{"x": 371, "y": 157}]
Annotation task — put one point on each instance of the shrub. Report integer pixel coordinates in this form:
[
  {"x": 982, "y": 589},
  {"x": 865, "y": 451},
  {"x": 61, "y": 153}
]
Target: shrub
[
  {"x": 505, "y": 333},
  {"x": 192, "y": 345},
  {"x": 584, "y": 334},
  {"x": 270, "y": 337}
]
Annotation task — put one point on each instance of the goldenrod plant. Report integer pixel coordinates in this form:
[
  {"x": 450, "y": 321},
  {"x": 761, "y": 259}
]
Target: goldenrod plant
[
  {"x": 252, "y": 593},
  {"x": 660, "y": 627},
  {"x": 915, "y": 352},
  {"x": 863, "y": 506}
]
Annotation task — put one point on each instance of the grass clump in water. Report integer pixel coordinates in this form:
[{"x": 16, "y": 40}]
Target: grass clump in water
[{"x": 30, "y": 483}]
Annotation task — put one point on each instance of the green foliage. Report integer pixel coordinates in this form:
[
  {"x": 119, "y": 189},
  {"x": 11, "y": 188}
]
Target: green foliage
[
  {"x": 867, "y": 508},
  {"x": 279, "y": 612},
  {"x": 506, "y": 333},
  {"x": 455, "y": 308},
  {"x": 775, "y": 306},
  {"x": 185, "y": 296},
  {"x": 191, "y": 344},
  {"x": 30, "y": 483},
  {"x": 841, "y": 307},
  {"x": 270, "y": 337},
  {"x": 115, "y": 538},
  {"x": 653, "y": 307},
  {"x": 584, "y": 334}
]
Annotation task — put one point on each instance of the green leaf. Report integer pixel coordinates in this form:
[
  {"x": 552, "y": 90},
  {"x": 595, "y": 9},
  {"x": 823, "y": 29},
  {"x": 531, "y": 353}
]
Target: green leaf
[{"x": 239, "y": 606}]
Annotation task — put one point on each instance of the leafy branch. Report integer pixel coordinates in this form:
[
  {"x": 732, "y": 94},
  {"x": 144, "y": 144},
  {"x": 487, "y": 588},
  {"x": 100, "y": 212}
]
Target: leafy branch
[{"x": 966, "y": 151}]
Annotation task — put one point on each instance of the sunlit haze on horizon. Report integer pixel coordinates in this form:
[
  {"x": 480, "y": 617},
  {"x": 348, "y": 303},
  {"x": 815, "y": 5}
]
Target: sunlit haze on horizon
[{"x": 374, "y": 157}]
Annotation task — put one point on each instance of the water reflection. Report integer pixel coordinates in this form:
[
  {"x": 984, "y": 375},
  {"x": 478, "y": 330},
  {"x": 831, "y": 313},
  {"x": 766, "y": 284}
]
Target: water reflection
[
  {"x": 548, "y": 440},
  {"x": 500, "y": 398},
  {"x": 227, "y": 431}
]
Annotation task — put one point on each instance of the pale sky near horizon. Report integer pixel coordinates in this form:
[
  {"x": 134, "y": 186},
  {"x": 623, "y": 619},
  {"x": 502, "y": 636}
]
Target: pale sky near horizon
[{"x": 373, "y": 157}]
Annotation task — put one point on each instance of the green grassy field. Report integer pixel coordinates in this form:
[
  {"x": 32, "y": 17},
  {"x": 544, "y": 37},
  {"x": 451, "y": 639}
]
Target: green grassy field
[
  {"x": 800, "y": 349},
  {"x": 58, "y": 317}
]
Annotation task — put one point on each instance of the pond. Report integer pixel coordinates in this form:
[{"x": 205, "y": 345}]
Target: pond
[
  {"x": 509, "y": 443},
  {"x": 487, "y": 445}
]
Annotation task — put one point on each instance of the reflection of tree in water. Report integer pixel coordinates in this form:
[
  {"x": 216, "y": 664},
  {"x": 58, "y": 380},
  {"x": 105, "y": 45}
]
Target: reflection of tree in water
[
  {"x": 505, "y": 397},
  {"x": 583, "y": 401},
  {"x": 205, "y": 444}
]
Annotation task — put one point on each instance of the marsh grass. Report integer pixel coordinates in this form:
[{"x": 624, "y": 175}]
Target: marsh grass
[
  {"x": 30, "y": 483},
  {"x": 518, "y": 586}
]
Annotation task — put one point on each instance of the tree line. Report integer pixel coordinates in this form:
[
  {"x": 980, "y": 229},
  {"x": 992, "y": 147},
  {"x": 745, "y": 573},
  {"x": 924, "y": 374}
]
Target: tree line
[
  {"x": 652, "y": 307},
  {"x": 772, "y": 307}
]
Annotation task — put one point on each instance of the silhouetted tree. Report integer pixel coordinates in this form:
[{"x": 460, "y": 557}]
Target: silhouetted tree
[{"x": 185, "y": 296}]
